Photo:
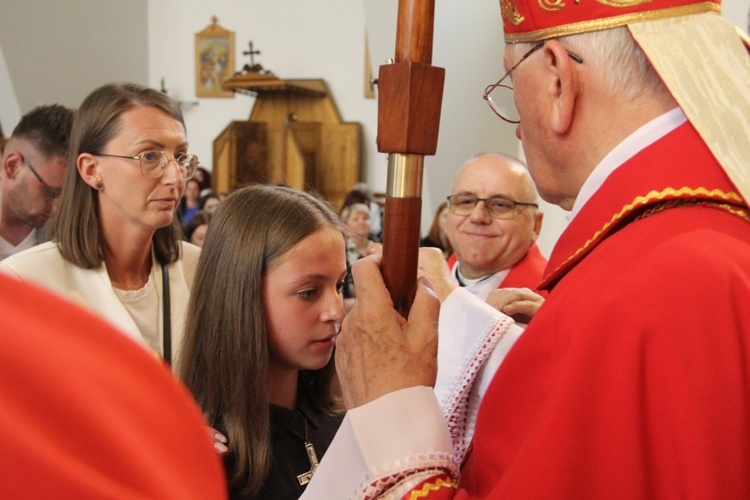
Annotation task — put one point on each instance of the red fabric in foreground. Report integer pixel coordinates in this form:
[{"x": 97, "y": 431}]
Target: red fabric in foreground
[{"x": 88, "y": 413}]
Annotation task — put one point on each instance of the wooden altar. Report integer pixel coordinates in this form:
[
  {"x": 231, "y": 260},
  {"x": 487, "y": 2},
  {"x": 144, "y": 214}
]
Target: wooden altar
[{"x": 294, "y": 136}]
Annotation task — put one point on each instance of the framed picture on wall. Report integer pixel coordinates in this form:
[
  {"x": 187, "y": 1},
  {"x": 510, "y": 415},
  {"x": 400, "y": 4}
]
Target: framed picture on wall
[
  {"x": 214, "y": 60},
  {"x": 369, "y": 77}
]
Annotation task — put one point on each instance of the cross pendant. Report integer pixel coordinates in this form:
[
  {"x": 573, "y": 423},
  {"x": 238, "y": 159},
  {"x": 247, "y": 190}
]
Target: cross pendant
[{"x": 304, "y": 478}]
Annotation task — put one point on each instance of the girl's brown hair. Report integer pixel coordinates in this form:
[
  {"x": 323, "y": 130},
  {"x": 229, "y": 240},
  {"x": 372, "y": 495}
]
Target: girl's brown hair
[{"x": 224, "y": 359}]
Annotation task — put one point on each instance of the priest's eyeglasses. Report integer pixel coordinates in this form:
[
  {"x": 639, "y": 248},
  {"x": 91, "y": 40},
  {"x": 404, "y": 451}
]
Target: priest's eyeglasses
[
  {"x": 498, "y": 207},
  {"x": 499, "y": 95},
  {"x": 155, "y": 163}
]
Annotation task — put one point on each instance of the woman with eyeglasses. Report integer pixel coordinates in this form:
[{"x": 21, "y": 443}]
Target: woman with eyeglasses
[{"x": 117, "y": 245}]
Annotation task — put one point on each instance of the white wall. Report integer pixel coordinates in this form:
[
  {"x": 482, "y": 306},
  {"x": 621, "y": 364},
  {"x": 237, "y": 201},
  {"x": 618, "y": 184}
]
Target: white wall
[
  {"x": 297, "y": 39},
  {"x": 325, "y": 39},
  {"x": 10, "y": 111},
  {"x": 59, "y": 51}
]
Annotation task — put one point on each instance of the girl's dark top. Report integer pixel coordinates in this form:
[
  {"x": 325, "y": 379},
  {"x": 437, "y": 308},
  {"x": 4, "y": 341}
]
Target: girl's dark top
[{"x": 289, "y": 457}]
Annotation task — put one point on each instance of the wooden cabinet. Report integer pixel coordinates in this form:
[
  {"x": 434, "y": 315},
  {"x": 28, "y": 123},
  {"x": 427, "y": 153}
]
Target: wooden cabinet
[{"x": 294, "y": 136}]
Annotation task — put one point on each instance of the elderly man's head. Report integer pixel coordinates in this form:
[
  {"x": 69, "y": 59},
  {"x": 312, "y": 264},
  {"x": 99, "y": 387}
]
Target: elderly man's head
[{"x": 493, "y": 216}]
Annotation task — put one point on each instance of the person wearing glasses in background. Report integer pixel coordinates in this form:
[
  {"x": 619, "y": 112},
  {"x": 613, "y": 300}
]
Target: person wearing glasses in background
[
  {"x": 493, "y": 223},
  {"x": 632, "y": 379},
  {"x": 33, "y": 169},
  {"x": 116, "y": 243}
]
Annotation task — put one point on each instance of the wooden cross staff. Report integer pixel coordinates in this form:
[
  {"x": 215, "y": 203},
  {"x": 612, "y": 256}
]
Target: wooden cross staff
[{"x": 410, "y": 98}]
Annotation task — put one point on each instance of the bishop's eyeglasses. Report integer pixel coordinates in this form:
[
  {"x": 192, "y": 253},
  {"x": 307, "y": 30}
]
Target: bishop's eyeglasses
[
  {"x": 154, "y": 163},
  {"x": 499, "y": 95},
  {"x": 498, "y": 207}
]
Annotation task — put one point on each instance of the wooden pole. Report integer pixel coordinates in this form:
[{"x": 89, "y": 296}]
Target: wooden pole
[{"x": 410, "y": 97}]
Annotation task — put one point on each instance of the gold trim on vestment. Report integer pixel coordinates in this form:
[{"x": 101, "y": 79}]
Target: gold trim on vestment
[
  {"x": 743, "y": 213},
  {"x": 622, "y": 3},
  {"x": 611, "y": 22},
  {"x": 641, "y": 201},
  {"x": 427, "y": 488}
]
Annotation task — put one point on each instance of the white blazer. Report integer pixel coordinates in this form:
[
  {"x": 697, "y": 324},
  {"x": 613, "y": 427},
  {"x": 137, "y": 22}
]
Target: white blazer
[{"x": 44, "y": 265}]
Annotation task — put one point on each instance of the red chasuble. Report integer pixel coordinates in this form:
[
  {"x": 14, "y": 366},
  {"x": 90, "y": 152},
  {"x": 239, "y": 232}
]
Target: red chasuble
[
  {"x": 88, "y": 413},
  {"x": 526, "y": 273},
  {"x": 633, "y": 380}
]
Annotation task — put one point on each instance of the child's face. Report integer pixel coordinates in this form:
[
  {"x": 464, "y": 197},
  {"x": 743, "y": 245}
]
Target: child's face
[{"x": 303, "y": 301}]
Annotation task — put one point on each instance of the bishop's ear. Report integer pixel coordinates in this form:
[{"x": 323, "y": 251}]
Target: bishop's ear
[{"x": 564, "y": 85}]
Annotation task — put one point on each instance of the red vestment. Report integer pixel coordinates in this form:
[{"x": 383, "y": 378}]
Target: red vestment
[
  {"x": 89, "y": 413},
  {"x": 633, "y": 379},
  {"x": 526, "y": 273}
]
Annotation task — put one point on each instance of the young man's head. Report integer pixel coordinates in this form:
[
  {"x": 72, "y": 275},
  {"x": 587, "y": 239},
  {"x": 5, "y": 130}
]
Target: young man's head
[{"x": 33, "y": 166}]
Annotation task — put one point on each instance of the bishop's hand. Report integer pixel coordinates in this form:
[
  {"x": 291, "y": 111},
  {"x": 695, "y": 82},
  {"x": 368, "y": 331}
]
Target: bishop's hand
[{"x": 378, "y": 351}]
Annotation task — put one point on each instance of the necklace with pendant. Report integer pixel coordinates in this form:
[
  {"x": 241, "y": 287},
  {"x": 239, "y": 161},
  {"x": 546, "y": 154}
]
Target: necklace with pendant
[{"x": 305, "y": 477}]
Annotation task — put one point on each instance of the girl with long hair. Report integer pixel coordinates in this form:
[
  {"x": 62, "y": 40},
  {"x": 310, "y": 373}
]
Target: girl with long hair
[{"x": 257, "y": 355}]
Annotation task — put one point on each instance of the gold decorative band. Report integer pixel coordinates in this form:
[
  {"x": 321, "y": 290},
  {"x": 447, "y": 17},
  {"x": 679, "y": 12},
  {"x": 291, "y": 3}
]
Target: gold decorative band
[
  {"x": 404, "y": 175},
  {"x": 611, "y": 22},
  {"x": 622, "y": 3},
  {"x": 437, "y": 484},
  {"x": 683, "y": 195}
]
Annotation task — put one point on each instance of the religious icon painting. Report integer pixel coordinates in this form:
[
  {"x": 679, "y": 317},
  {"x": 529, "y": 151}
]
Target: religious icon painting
[{"x": 214, "y": 60}]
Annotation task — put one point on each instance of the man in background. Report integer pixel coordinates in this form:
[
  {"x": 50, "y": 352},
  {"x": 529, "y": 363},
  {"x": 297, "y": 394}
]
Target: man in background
[
  {"x": 31, "y": 178},
  {"x": 493, "y": 223}
]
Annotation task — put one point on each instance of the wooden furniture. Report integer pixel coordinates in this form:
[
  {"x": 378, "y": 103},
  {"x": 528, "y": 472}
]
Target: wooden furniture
[{"x": 294, "y": 136}]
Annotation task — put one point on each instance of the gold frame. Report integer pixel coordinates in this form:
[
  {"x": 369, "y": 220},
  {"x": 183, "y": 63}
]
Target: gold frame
[
  {"x": 214, "y": 60},
  {"x": 369, "y": 86}
]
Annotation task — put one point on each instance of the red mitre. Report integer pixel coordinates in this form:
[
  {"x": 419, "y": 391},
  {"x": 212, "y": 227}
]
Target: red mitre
[
  {"x": 535, "y": 20},
  {"x": 699, "y": 56}
]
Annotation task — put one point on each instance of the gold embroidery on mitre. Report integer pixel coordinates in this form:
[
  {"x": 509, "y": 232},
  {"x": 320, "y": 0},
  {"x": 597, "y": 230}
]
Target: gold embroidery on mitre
[
  {"x": 622, "y": 3},
  {"x": 509, "y": 11},
  {"x": 610, "y": 22},
  {"x": 551, "y": 5}
]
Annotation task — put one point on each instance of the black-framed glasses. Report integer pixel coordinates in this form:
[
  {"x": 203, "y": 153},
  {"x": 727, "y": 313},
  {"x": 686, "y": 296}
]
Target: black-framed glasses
[
  {"x": 155, "y": 163},
  {"x": 499, "y": 96},
  {"x": 51, "y": 193},
  {"x": 499, "y": 207}
]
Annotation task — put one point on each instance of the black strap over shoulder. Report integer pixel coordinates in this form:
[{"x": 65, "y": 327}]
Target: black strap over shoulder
[{"x": 166, "y": 316}]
